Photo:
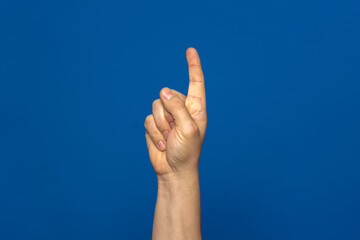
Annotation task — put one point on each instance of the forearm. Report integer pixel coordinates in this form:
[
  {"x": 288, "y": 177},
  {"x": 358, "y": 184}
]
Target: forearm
[{"x": 177, "y": 211}]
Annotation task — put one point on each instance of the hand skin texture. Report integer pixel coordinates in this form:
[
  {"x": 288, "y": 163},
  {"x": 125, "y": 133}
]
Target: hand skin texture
[{"x": 175, "y": 132}]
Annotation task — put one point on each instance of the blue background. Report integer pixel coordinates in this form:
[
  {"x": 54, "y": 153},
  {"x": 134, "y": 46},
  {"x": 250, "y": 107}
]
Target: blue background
[{"x": 281, "y": 158}]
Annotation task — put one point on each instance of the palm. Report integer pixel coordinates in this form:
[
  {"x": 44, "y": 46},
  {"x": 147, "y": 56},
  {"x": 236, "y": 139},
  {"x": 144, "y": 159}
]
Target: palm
[{"x": 176, "y": 146}]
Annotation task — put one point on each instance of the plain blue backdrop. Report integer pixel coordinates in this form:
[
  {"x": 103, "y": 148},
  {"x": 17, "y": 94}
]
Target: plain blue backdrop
[{"x": 281, "y": 158}]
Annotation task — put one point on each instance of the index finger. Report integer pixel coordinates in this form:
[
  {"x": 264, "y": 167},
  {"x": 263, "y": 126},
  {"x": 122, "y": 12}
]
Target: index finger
[{"x": 196, "y": 76}]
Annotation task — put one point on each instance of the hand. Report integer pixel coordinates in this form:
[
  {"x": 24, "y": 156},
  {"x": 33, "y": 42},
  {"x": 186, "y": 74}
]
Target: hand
[{"x": 176, "y": 128}]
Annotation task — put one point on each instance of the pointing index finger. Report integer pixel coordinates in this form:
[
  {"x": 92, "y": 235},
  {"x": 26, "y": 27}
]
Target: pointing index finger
[{"x": 196, "y": 76}]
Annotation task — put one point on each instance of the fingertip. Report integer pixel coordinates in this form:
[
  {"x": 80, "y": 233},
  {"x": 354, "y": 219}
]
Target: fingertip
[
  {"x": 161, "y": 145},
  {"x": 166, "y": 134},
  {"x": 169, "y": 117},
  {"x": 192, "y": 57},
  {"x": 190, "y": 50}
]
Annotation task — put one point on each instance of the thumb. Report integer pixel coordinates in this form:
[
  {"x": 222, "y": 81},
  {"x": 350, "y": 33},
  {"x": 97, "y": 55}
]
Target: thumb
[{"x": 176, "y": 106}]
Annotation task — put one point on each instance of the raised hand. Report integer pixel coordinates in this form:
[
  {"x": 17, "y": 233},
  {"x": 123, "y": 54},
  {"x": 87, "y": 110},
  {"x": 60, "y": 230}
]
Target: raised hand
[{"x": 176, "y": 129}]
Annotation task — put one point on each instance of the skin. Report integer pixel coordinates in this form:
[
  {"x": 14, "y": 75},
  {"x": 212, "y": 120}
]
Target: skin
[{"x": 175, "y": 132}]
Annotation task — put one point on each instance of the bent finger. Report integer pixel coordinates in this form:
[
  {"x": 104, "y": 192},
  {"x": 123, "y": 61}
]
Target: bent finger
[
  {"x": 155, "y": 135},
  {"x": 160, "y": 120}
]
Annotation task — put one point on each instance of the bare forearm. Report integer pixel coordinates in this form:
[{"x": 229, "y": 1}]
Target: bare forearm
[{"x": 177, "y": 211}]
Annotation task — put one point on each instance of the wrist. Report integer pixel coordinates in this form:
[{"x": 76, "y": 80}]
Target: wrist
[{"x": 173, "y": 184}]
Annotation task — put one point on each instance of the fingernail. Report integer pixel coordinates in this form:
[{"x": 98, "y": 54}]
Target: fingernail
[
  {"x": 172, "y": 125},
  {"x": 161, "y": 145},
  {"x": 166, "y": 134},
  {"x": 168, "y": 94}
]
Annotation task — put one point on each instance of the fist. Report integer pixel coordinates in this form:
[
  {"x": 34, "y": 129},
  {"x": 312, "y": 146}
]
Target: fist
[{"x": 175, "y": 130}]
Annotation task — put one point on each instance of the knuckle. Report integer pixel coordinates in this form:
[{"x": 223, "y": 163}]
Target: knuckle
[
  {"x": 161, "y": 124},
  {"x": 148, "y": 119},
  {"x": 179, "y": 105},
  {"x": 195, "y": 78},
  {"x": 155, "y": 104},
  {"x": 192, "y": 129}
]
